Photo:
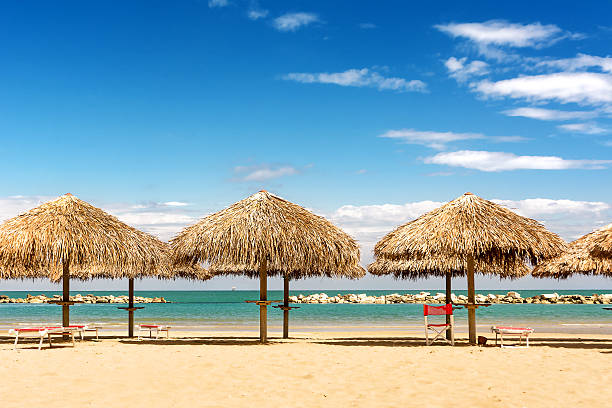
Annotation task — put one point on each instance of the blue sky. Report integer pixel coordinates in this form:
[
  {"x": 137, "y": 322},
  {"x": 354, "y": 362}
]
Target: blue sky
[{"x": 369, "y": 113}]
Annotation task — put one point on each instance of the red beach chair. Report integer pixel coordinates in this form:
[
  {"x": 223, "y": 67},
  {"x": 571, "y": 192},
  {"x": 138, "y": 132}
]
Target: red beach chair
[{"x": 440, "y": 328}]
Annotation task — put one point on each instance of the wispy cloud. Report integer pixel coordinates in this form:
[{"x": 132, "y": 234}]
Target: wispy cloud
[
  {"x": 263, "y": 172},
  {"x": 503, "y": 161},
  {"x": 580, "y": 62},
  {"x": 359, "y": 78},
  {"x": 435, "y": 140},
  {"x": 440, "y": 140},
  {"x": 175, "y": 204},
  {"x": 294, "y": 21},
  {"x": 492, "y": 38},
  {"x": 257, "y": 13},
  {"x": 462, "y": 71},
  {"x": 498, "y": 32},
  {"x": 586, "y": 88},
  {"x": 218, "y": 3},
  {"x": 587, "y": 128},
  {"x": 549, "y": 114}
]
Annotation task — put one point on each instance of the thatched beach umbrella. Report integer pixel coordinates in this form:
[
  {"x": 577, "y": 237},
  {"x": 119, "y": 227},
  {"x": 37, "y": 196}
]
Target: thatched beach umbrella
[
  {"x": 578, "y": 258},
  {"x": 266, "y": 235},
  {"x": 602, "y": 242},
  {"x": 474, "y": 231},
  {"x": 69, "y": 238}
]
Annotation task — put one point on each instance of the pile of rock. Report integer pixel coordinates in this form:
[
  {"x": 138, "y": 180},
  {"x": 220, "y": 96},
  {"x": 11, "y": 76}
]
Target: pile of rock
[
  {"x": 427, "y": 297},
  {"x": 82, "y": 299}
]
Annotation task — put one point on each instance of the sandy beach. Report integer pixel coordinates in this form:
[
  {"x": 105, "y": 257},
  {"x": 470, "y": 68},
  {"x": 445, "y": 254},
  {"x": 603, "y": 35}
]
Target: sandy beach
[{"x": 343, "y": 369}]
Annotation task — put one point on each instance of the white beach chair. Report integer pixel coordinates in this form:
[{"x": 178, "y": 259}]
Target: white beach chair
[
  {"x": 41, "y": 332},
  {"x": 151, "y": 328},
  {"x": 84, "y": 328},
  {"x": 439, "y": 328},
  {"x": 512, "y": 331}
]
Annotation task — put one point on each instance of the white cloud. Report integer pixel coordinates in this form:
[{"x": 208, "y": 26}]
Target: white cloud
[
  {"x": 218, "y": 3},
  {"x": 257, "y": 13},
  {"x": 435, "y": 140},
  {"x": 367, "y": 26},
  {"x": 502, "y": 161},
  {"x": 577, "y": 87},
  {"x": 495, "y": 32},
  {"x": 580, "y": 62},
  {"x": 608, "y": 143},
  {"x": 359, "y": 78},
  {"x": 439, "y": 140},
  {"x": 15, "y": 205},
  {"x": 175, "y": 204},
  {"x": 587, "y": 128},
  {"x": 163, "y": 220},
  {"x": 369, "y": 223},
  {"x": 294, "y": 21},
  {"x": 458, "y": 69},
  {"x": 263, "y": 172},
  {"x": 537, "y": 207},
  {"x": 549, "y": 114}
]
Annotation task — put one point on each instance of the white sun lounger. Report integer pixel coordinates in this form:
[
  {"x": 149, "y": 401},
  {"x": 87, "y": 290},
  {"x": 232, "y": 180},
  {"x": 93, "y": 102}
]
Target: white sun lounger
[
  {"x": 153, "y": 328},
  {"x": 84, "y": 328},
  {"x": 41, "y": 332},
  {"x": 512, "y": 331}
]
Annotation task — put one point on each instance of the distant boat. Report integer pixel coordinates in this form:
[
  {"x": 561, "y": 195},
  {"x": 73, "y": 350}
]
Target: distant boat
[{"x": 233, "y": 288}]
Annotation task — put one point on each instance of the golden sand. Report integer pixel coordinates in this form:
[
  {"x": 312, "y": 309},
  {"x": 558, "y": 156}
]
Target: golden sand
[{"x": 332, "y": 369}]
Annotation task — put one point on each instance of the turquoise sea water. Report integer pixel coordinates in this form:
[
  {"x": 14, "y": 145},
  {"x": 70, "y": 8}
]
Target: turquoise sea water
[{"x": 226, "y": 310}]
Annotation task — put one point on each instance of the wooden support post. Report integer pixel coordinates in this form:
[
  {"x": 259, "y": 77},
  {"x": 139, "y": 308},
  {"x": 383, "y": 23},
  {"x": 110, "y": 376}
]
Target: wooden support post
[
  {"x": 471, "y": 300},
  {"x": 263, "y": 295},
  {"x": 66, "y": 293},
  {"x": 286, "y": 311},
  {"x": 131, "y": 310},
  {"x": 448, "y": 300}
]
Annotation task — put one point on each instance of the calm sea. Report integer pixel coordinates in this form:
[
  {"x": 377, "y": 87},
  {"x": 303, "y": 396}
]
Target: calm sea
[{"x": 226, "y": 310}]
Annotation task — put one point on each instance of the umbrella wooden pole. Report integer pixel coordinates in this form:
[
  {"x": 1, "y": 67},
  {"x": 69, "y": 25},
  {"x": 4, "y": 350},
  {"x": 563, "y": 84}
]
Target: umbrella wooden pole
[
  {"x": 66, "y": 294},
  {"x": 448, "y": 300},
  {"x": 286, "y": 308},
  {"x": 471, "y": 300},
  {"x": 263, "y": 297},
  {"x": 131, "y": 308}
]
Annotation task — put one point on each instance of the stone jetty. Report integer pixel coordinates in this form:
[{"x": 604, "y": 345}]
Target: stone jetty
[
  {"x": 81, "y": 299},
  {"x": 427, "y": 297}
]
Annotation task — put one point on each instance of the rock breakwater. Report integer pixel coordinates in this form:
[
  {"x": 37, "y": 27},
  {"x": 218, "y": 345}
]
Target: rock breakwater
[
  {"x": 81, "y": 299},
  {"x": 427, "y": 297}
]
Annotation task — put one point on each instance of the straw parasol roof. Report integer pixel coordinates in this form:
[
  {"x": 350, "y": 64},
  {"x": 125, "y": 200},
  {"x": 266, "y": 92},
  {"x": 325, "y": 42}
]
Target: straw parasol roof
[
  {"x": 294, "y": 241},
  {"x": 578, "y": 258},
  {"x": 422, "y": 268},
  {"x": 472, "y": 226},
  {"x": 602, "y": 242},
  {"x": 37, "y": 243}
]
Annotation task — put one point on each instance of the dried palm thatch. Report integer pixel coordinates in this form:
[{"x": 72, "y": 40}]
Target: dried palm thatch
[
  {"x": 576, "y": 259},
  {"x": 423, "y": 268},
  {"x": 70, "y": 231},
  {"x": 263, "y": 226},
  {"x": 602, "y": 242},
  {"x": 250, "y": 271},
  {"x": 472, "y": 226}
]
